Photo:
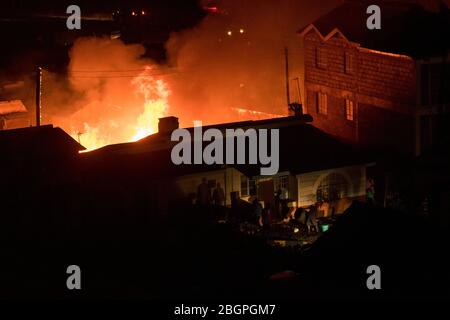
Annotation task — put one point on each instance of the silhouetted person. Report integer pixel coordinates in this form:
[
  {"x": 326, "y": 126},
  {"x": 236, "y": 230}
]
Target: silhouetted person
[
  {"x": 311, "y": 220},
  {"x": 370, "y": 191},
  {"x": 277, "y": 204},
  {"x": 204, "y": 193},
  {"x": 257, "y": 213},
  {"x": 219, "y": 195},
  {"x": 266, "y": 218}
]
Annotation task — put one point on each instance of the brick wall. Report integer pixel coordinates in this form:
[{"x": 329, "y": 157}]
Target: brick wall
[
  {"x": 333, "y": 76},
  {"x": 334, "y": 122},
  {"x": 382, "y": 86},
  {"x": 387, "y": 77}
]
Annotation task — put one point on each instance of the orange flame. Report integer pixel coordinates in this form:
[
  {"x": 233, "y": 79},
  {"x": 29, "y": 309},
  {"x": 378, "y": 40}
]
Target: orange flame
[
  {"x": 155, "y": 94},
  {"x": 156, "y": 105}
]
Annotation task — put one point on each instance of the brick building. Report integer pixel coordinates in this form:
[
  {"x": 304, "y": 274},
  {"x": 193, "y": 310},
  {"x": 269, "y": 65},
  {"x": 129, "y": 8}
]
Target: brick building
[{"x": 385, "y": 88}]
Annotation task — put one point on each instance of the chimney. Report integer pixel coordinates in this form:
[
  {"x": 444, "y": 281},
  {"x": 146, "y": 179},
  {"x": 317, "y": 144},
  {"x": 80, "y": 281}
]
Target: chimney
[{"x": 167, "y": 124}]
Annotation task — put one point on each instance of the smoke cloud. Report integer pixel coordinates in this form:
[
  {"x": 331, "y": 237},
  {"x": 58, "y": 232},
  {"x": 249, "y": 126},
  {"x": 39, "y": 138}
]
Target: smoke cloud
[
  {"x": 108, "y": 88},
  {"x": 230, "y": 67},
  {"x": 235, "y": 59}
]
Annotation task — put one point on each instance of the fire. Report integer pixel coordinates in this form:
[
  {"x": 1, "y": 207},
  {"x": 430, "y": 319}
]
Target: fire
[
  {"x": 156, "y": 105},
  {"x": 255, "y": 115},
  {"x": 154, "y": 93}
]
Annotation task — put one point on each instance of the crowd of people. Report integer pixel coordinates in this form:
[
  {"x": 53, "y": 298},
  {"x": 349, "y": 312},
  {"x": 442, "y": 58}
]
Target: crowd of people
[
  {"x": 264, "y": 214},
  {"x": 206, "y": 197},
  {"x": 284, "y": 212}
]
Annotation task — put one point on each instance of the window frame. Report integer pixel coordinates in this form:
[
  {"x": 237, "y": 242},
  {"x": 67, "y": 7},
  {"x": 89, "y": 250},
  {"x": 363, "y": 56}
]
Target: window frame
[
  {"x": 332, "y": 187},
  {"x": 349, "y": 104},
  {"x": 321, "y": 57},
  {"x": 249, "y": 185},
  {"x": 349, "y": 63},
  {"x": 322, "y": 103}
]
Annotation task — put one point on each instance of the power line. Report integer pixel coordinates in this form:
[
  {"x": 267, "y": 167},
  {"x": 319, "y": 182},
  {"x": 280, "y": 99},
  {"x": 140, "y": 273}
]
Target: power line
[
  {"x": 106, "y": 71},
  {"x": 123, "y": 76},
  {"x": 260, "y": 57}
]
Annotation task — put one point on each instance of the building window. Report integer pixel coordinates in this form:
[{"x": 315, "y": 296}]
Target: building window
[
  {"x": 349, "y": 63},
  {"x": 244, "y": 185},
  {"x": 334, "y": 186},
  {"x": 252, "y": 187},
  {"x": 349, "y": 109},
  {"x": 322, "y": 107},
  {"x": 321, "y": 58},
  {"x": 248, "y": 186},
  {"x": 282, "y": 184}
]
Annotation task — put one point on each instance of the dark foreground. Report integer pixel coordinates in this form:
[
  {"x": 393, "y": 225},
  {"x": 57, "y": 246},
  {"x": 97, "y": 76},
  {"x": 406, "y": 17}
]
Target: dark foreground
[{"x": 188, "y": 256}]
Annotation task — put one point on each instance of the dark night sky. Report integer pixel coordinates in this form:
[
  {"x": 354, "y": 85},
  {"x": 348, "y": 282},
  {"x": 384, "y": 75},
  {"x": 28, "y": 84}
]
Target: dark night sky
[
  {"x": 40, "y": 34},
  {"x": 36, "y": 29},
  {"x": 34, "y": 32}
]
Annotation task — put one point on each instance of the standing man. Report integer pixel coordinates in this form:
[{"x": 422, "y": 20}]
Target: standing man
[
  {"x": 204, "y": 193},
  {"x": 219, "y": 195},
  {"x": 311, "y": 220}
]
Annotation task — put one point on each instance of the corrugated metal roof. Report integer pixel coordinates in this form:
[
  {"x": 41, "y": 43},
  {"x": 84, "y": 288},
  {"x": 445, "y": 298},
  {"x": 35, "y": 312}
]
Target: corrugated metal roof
[{"x": 11, "y": 106}]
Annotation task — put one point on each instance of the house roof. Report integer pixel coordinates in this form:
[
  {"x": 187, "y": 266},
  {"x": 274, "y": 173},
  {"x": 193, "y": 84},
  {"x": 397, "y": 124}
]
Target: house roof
[
  {"x": 12, "y": 106},
  {"x": 303, "y": 148},
  {"x": 44, "y": 139},
  {"x": 406, "y": 27}
]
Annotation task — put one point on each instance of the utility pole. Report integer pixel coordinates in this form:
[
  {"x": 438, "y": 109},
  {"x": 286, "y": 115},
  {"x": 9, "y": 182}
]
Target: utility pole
[
  {"x": 287, "y": 75},
  {"x": 38, "y": 96},
  {"x": 297, "y": 80},
  {"x": 296, "y": 107}
]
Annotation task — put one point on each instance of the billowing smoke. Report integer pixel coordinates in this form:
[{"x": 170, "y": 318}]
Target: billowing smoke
[
  {"x": 229, "y": 67},
  {"x": 108, "y": 90},
  {"x": 234, "y": 59}
]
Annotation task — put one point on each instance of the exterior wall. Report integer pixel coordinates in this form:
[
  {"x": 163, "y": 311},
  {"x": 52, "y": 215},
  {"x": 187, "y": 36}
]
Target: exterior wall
[
  {"x": 309, "y": 182},
  {"x": 433, "y": 101},
  {"x": 228, "y": 178},
  {"x": 292, "y": 186},
  {"x": 387, "y": 129},
  {"x": 377, "y": 80},
  {"x": 389, "y": 77},
  {"x": 334, "y": 122}
]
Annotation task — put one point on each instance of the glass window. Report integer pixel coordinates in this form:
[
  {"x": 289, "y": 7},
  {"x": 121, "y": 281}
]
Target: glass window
[
  {"x": 321, "y": 58},
  {"x": 244, "y": 185},
  {"x": 349, "y": 109},
  {"x": 348, "y": 63},
  {"x": 322, "y": 106},
  {"x": 248, "y": 186},
  {"x": 332, "y": 187},
  {"x": 282, "y": 183}
]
